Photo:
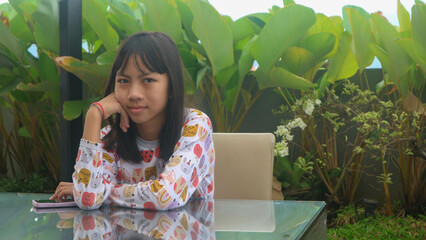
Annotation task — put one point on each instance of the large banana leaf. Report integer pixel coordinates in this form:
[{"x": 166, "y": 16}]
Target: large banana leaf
[
  {"x": 187, "y": 18},
  {"x": 362, "y": 37},
  {"x": 73, "y": 109},
  {"x": 401, "y": 82},
  {"x": 161, "y": 16},
  {"x": 10, "y": 42},
  {"x": 215, "y": 35},
  {"x": 279, "y": 77},
  {"x": 346, "y": 20},
  {"x": 285, "y": 29},
  {"x": 93, "y": 75},
  {"x": 419, "y": 30},
  {"x": 95, "y": 15},
  {"x": 397, "y": 61},
  {"x": 297, "y": 60},
  {"x": 408, "y": 46},
  {"x": 403, "y": 18},
  {"x": 46, "y": 30},
  {"x": 343, "y": 63},
  {"x": 319, "y": 44},
  {"x": 328, "y": 24},
  {"x": 125, "y": 17}
]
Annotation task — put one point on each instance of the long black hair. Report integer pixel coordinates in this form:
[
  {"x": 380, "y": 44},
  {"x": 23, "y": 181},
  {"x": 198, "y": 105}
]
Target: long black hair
[{"x": 159, "y": 54}]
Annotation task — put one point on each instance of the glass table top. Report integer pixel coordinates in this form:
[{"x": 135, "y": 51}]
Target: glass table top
[{"x": 199, "y": 219}]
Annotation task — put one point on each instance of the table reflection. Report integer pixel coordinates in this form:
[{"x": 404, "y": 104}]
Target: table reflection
[{"x": 194, "y": 221}]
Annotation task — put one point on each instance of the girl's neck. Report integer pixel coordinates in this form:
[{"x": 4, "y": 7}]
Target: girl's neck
[{"x": 149, "y": 132}]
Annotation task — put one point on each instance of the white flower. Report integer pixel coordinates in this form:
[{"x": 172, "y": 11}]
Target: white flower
[
  {"x": 289, "y": 137},
  {"x": 308, "y": 107},
  {"x": 284, "y": 152},
  {"x": 281, "y": 148},
  {"x": 300, "y": 123},
  {"x": 317, "y": 102},
  {"x": 281, "y": 130},
  {"x": 298, "y": 102}
]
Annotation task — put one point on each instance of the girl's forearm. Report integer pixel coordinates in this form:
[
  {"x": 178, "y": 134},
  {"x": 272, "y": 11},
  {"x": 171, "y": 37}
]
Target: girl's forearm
[{"x": 92, "y": 125}]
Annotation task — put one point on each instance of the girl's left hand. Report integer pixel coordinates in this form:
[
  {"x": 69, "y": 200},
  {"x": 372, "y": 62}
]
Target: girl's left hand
[{"x": 63, "y": 190}]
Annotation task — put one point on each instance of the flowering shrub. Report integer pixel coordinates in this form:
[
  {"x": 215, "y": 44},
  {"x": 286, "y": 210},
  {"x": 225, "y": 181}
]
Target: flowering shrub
[{"x": 383, "y": 130}]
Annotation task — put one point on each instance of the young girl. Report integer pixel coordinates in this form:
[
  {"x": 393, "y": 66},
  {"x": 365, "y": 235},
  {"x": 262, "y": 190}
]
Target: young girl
[{"x": 154, "y": 153}]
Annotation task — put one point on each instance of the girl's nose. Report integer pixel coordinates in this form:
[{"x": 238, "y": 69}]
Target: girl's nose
[{"x": 136, "y": 92}]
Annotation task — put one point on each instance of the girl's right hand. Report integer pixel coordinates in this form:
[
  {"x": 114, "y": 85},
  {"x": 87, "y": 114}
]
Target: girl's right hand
[{"x": 111, "y": 106}]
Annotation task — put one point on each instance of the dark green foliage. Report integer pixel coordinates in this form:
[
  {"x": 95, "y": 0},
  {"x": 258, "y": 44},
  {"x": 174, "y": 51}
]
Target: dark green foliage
[{"x": 33, "y": 183}]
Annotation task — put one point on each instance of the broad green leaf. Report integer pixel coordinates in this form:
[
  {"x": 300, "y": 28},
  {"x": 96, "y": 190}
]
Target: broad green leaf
[
  {"x": 161, "y": 16},
  {"x": 319, "y": 44},
  {"x": 46, "y": 30},
  {"x": 106, "y": 58},
  {"x": 23, "y": 132},
  {"x": 10, "y": 42},
  {"x": 24, "y": 7},
  {"x": 399, "y": 59},
  {"x": 233, "y": 87},
  {"x": 214, "y": 34},
  {"x": 343, "y": 63},
  {"x": 258, "y": 20},
  {"x": 347, "y": 22},
  {"x": 201, "y": 74},
  {"x": 297, "y": 60},
  {"x": 192, "y": 66},
  {"x": 223, "y": 76},
  {"x": 93, "y": 75},
  {"x": 7, "y": 61},
  {"x": 124, "y": 15},
  {"x": 278, "y": 34},
  {"x": 288, "y": 2},
  {"x": 401, "y": 82},
  {"x": 20, "y": 29},
  {"x": 245, "y": 63},
  {"x": 279, "y": 77},
  {"x": 40, "y": 87},
  {"x": 48, "y": 69},
  {"x": 231, "y": 90},
  {"x": 328, "y": 24},
  {"x": 323, "y": 85},
  {"x": 187, "y": 17},
  {"x": 8, "y": 86},
  {"x": 419, "y": 30},
  {"x": 408, "y": 46},
  {"x": 95, "y": 16},
  {"x": 403, "y": 18},
  {"x": 241, "y": 29},
  {"x": 362, "y": 37},
  {"x": 73, "y": 109}
]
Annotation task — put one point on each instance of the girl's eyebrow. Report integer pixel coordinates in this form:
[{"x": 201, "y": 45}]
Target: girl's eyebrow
[{"x": 143, "y": 74}]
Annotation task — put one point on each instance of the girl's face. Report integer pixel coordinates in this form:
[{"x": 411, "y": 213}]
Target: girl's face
[{"x": 143, "y": 95}]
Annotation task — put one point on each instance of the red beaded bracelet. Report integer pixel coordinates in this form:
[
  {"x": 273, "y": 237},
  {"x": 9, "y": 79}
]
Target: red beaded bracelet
[{"x": 100, "y": 108}]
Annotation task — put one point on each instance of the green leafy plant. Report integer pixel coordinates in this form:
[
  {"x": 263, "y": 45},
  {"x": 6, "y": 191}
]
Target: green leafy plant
[{"x": 29, "y": 87}]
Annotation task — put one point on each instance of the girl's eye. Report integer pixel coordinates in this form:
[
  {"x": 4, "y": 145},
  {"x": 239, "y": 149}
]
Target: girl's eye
[
  {"x": 123, "y": 81},
  {"x": 148, "y": 80}
]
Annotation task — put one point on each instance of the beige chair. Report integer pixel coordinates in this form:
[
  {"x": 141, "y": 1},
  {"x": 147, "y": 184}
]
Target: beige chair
[{"x": 243, "y": 165}]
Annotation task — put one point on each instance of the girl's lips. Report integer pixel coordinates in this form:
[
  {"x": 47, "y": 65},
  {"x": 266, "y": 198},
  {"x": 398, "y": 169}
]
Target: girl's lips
[{"x": 137, "y": 110}]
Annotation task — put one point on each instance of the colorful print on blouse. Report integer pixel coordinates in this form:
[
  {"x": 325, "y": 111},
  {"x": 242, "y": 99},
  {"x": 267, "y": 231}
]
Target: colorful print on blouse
[{"x": 102, "y": 177}]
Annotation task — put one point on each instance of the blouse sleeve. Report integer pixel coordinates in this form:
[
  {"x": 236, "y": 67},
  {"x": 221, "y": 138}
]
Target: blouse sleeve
[
  {"x": 94, "y": 174},
  {"x": 186, "y": 168}
]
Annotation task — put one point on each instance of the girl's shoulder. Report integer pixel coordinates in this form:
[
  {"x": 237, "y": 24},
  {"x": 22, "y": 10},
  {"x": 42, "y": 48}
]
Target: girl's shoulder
[{"x": 192, "y": 116}]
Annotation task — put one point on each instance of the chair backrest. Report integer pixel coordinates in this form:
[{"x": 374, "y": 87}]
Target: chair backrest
[{"x": 243, "y": 165}]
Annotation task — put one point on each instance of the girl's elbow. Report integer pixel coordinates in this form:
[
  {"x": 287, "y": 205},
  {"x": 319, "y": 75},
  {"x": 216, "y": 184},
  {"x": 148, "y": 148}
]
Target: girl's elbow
[{"x": 87, "y": 201}]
